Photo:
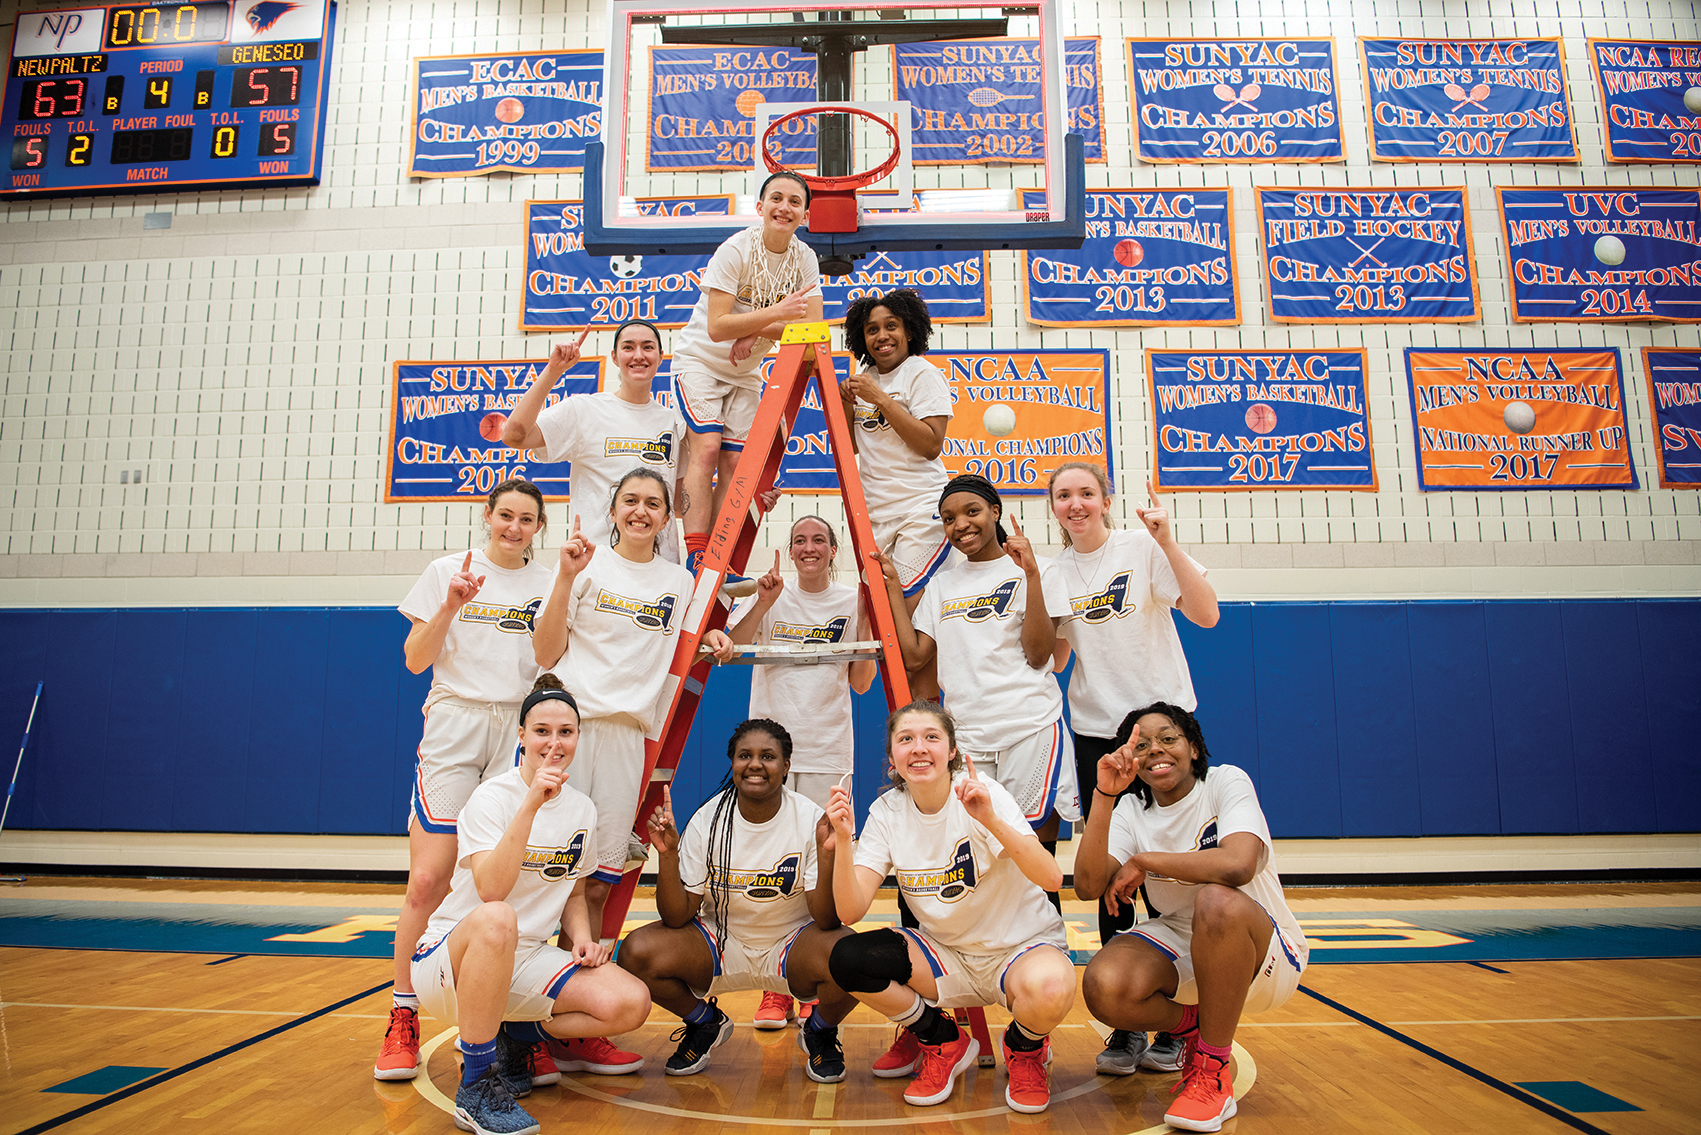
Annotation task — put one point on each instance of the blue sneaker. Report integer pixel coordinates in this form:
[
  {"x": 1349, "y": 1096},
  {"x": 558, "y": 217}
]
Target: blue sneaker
[
  {"x": 733, "y": 585},
  {"x": 696, "y": 1042},
  {"x": 513, "y": 1064},
  {"x": 486, "y": 1107}
]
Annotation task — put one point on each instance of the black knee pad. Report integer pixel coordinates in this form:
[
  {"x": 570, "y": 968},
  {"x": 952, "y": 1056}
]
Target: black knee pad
[{"x": 868, "y": 962}]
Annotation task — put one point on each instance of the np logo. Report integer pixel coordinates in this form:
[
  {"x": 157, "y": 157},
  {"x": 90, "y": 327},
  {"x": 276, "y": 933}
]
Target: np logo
[
  {"x": 657, "y": 616},
  {"x": 263, "y": 15},
  {"x": 778, "y": 882},
  {"x": 834, "y": 631},
  {"x": 556, "y": 863},
  {"x": 656, "y": 451},
  {"x": 977, "y": 608},
  {"x": 1208, "y": 835},
  {"x": 948, "y": 884},
  {"x": 1111, "y": 603}
]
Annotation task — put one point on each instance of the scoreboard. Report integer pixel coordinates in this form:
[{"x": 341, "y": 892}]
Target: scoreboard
[{"x": 143, "y": 98}]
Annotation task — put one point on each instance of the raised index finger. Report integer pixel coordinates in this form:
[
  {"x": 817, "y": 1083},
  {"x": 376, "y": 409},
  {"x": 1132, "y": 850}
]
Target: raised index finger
[
  {"x": 1015, "y": 525},
  {"x": 1153, "y": 494},
  {"x": 466, "y": 564},
  {"x": 583, "y": 335}
]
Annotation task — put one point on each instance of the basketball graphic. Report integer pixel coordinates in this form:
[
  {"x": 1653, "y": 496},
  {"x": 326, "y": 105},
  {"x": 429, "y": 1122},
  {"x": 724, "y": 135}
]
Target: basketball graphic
[
  {"x": 490, "y": 426},
  {"x": 1260, "y": 419},
  {"x": 1129, "y": 253},
  {"x": 748, "y": 101},
  {"x": 510, "y": 110}
]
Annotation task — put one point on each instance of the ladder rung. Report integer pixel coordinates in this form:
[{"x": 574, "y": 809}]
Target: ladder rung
[{"x": 805, "y": 653}]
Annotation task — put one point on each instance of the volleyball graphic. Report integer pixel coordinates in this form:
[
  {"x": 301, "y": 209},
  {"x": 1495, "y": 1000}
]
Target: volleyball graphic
[
  {"x": 490, "y": 426},
  {"x": 510, "y": 110},
  {"x": 1129, "y": 253},
  {"x": 1260, "y": 419}
]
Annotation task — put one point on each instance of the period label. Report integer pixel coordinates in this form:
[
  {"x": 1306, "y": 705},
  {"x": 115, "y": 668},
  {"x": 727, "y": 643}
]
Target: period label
[
  {"x": 1645, "y": 86},
  {"x": 703, "y": 103},
  {"x": 526, "y": 113},
  {"x": 1674, "y": 392}
]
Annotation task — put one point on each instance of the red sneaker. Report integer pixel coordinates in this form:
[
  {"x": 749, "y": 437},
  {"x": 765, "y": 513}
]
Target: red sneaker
[
  {"x": 775, "y": 1011},
  {"x": 592, "y": 1054},
  {"x": 941, "y": 1064},
  {"x": 901, "y": 1058},
  {"x": 399, "y": 1058},
  {"x": 1204, "y": 1096},
  {"x": 544, "y": 1071},
  {"x": 1029, "y": 1089}
]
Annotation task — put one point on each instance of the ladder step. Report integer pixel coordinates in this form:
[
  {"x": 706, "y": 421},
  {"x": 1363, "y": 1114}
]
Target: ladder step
[{"x": 805, "y": 653}]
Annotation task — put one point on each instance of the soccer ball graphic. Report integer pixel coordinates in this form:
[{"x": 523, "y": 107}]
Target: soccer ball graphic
[{"x": 625, "y": 266}]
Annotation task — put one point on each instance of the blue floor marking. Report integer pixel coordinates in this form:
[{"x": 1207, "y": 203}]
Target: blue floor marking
[
  {"x": 1574, "y": 1095},
  {"x": 104, "y": 1080}
]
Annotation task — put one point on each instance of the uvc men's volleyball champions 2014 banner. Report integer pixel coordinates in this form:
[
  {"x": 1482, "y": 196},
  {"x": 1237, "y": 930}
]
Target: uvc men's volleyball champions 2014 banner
[
  {"x": 1465, "y": 100},
  {"x": 525, "y": 113},
  {"x": 1152, "y": 258},
  {"x": 1674, "y": 391},
  {"x": 1465, "y": 432},
  {"x": 1259, "y": 420},
  {"x": 1643, "y": 84},
  {"x": 977, "y": 101},
  {"x": 1368, "y": 255},
  {"x": 1235, "y": 100},
  {"x": 1603, "y": 253},
  {"x": 703, "y": 103}
]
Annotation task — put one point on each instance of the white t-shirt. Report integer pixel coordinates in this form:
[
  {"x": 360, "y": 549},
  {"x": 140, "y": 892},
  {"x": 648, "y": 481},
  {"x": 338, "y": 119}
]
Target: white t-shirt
[
  {"x": 973, "y": 612},
  {"x": 606, "y": 437},
  {"x": 773, "y": 868},
  {"x": 487, "y": 654},
  {"x": 948, "y": 867},
  {"x": 894, "y": 476},
  {"x": 1127, "y": 651},
  {"x": 755, "y": 278},
  {"x": 558, "y": 852},
  {"x": 812, "y": 702},
  {"x": 1219, "y": 805},
  {"x": 622, "y": 625}
]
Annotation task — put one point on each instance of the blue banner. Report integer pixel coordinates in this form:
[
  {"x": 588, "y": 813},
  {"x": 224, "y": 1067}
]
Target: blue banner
[
  {"x": 1603, "y": 254},
  {"x": 1152, "y": 258},
  {"x": 565, "y": 287},
  {"x": 1469, "y": 100},
  {"x": 1235, "y": 100},
  {"x": 952, "y": 283},
  {"x": 525, "y": 113},
  {"x": 1674, "y": 392},
  {"x": 1644, "y": 87},
  {"x": 1259, "y": 420},
  {"x": 977, "y": 101},
  {"x": 1368, "y": 255},
  {"x": 703, "y": 104}
]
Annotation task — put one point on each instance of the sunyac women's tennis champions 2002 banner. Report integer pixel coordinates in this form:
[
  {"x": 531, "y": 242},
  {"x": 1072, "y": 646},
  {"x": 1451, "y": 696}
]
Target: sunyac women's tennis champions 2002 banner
[
  {"x": 1235, "y": 100},
  {"x": 1492, "y": 418},
  {"x": 528, "y": 113},
  {"x": 1368, "y": 255},
  {"x": 703, "y": 104},
  {"x": 1152, "y": 258},
  {"x": 1645, "y": 86},
  {"x": 1259, "y": 420},
  {"x": 1674, "y": 391},
  {"x": 1467, "y": 100}
]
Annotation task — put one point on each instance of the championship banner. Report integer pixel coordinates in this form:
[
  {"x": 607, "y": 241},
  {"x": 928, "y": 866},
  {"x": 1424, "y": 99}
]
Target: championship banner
[
  {"x": 703, "y": 104},
  {"x": 1152, "y": 258},
  {"x": 1648, "y": 92},
  {"x": 978, "y": 100},
  {"x": 952, "y": 283},
  {"x": 1467, "y": 100},
  {"x": 446, "y": 422},
  {"x": 1259, "y": 420},
  {"x": 1235, "y": 100},
  {"x": 566, "y": 288},
  {"x": 1368, "y": 255},
  {"x": 1674, "y": 391},
  {"x": 1513, "y": 418},
  {"x": 526, "y": 113},
  {"x": 1603, "y": 254}
]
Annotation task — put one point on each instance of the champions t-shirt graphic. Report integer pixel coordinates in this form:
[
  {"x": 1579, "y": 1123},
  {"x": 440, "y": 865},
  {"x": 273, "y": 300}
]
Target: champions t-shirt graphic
[
  {"x": 994, "y": 604},
  {"x": 834, "y": 631},
  {"x": 768, "y": 871},
  {"x": 556, "y": 863},
  {"x": 947, "y": 884},
  {"x": 656, "y": 616},
  {"x": 505, "y": 617},
  {"x": 777, "y": 882},
  {"x": 1111, "y": 603},
  {"x": 651, "y": 451}
]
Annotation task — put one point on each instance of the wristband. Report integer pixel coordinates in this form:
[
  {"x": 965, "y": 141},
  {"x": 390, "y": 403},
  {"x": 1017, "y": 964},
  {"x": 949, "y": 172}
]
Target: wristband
[{"x": 1102, "y": 792}]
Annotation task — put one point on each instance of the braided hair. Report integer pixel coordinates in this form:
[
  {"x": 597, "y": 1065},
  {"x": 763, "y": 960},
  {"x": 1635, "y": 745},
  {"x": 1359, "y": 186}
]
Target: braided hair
[{"x": 718, "y": 854}]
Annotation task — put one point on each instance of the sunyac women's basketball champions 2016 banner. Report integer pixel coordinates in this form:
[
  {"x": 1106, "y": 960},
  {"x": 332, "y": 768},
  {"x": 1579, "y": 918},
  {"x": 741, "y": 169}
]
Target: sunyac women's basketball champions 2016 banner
[
  {"x": 1235, "y": 100},
  {"x": 703, "y": 103},
  {"x": 1493, "y": 418},
  {"x": 1152, "y": 258},
  {"x": 1259, "y": 420},
  {"x": 1368, "y": 255},
  {"x": 1644, "y": 87},
  {"x": 1603, "y": 254},
  {"x": 1465, "y": 100},
  {"x": 1674, "y": 391},
  {"x": 526, "y": 113}
]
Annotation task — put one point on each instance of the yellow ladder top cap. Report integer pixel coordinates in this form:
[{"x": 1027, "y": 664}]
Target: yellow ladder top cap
[{"x": 807, "y": 333}]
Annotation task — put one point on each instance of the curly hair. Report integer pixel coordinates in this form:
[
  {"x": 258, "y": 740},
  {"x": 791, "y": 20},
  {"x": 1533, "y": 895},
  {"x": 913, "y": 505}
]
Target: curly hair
[
  {"x": 1184, "y": 721},
  {"x": 904, "y": 303}
]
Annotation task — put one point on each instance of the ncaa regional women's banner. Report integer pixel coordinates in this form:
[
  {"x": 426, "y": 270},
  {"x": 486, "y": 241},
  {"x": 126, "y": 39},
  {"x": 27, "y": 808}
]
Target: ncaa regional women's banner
[
  {"x": 1674, "y": 391},
  {"x": 1651, "y": 95},
  {"x": 526, "y": 113},
  {"x": 703, "y": 103}
]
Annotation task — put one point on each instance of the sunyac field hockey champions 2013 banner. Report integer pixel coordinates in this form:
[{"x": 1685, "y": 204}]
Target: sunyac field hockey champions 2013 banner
[
  {"x": 1645, "y": 90},
  {"x": 1235, "y": 100},
  {"x": 528, "y": 113},
  {"x": 1464, "y": 100},
  {"x": 1674, "y": 391},
  {"x": 1491, "y": 418},
  {"x": 703, "y": 104},
  {"x": 1368, "y": 255},
  {"x": 1259, "y": 420}
]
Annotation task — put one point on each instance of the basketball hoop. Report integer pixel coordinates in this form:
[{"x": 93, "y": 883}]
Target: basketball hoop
[{"x": 832, "y": 205}]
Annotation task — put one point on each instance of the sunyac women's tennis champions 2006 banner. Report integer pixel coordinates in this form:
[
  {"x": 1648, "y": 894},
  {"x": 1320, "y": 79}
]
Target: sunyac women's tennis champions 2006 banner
[
  {"x": 1674, "y": 391},
  {"x": 528, "y": 113},
  {"x": 703, "y": 104},
  {"x": 1467, "y": 100},
  {"x": 1492, "y": 418},
  {"x": 1644, "y": 87}
]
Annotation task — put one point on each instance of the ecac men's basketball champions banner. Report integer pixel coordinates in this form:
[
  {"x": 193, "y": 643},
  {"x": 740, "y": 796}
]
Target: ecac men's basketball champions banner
[
  {"x": 1644, "y": 87},
  {"x": 1674, "y": 391},
  {"x": 525, "y": 113},
  {"x": 703, "y": 104}
]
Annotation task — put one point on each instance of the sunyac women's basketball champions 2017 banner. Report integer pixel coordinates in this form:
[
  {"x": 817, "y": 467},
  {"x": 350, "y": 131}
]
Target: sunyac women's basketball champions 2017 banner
[
  {"x": 1259, "y": 420},
  {"x": 1674, "y": 391},
  {"x": 527, "y": 113},
  {"x": 1643, "y": 84},
  {"x": 1507, "y": 418},
  {"x": 1465, "y": 100},
  {"x": 1235, "y": 100},
  {"x": 703, "y": 103}
]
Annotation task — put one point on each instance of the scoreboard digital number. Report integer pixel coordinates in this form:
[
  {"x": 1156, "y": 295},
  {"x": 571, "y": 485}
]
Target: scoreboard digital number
[{"x": 136, "y": 98}]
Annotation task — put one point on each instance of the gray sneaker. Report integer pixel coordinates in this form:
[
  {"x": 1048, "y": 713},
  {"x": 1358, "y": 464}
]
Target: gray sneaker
[
  {"x": 1166, "y": 1054},
  {"x": 1122, "y": 1053}
]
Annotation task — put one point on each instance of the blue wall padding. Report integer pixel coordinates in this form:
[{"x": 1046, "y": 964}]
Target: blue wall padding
[{"x": 1354, "y": 719}]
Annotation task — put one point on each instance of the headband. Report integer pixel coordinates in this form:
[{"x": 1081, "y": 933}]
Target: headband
[
  {"x": 972, "y": 483},
  {"x": 536, "y": 697},
  {"x": 654, "y": 330}
]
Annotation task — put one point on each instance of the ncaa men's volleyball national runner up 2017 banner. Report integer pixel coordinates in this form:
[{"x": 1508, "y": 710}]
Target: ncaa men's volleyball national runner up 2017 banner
[
  {"x": 1235, "y": 100},
  {"x": 523, "y": 113},
  {"x": 446, "y": 422},
  {"x": 703, "y": 104},
  {"x": 1645, "y": 88},
  {"x": 1368, "y": 255},
  {"x": 978, "y": 101},
  {"x": 1674, "y": 391},
  {"x": 1467, "y": 100},
  {"x": 1603, "y": 253},
  {"x": 1259, "y": 420},
  {"x": 1152, "y": 258},
  {"x": 1511, "y": 418}
]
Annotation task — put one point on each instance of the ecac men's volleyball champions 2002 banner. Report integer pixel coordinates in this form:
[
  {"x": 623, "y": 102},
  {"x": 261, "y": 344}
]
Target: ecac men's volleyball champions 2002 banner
[
  {"x": 1674, "y": 391},
  {"x": 525, "y": 113},
  {"x": 1645, "y": 90},
  {"x": 703, "y": 103}
]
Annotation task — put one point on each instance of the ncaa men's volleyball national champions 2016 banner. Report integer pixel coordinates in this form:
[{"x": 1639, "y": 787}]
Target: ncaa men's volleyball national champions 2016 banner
[
  {"x": 1511, "y": 418},
  {"x": 978, "y": 101},
  {"x": 1603, "y": 254},
  {"x": 703, "y": 103},
  {"x": 1651, "y": 95},
  {"x": 1674, "y": 391},
  {"x": 1259, "y": 420},
  {"x": 1152, "y": 258},
  {"x": 1235, "y": 100},
  {"x": 1368, "y": 255},
  {"x": 525, "y": 113},
  {"x": 1453, "y": 100}
]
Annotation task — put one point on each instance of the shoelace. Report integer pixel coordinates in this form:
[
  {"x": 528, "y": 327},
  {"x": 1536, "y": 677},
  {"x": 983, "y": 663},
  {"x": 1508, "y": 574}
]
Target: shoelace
[
  {"x": 404, "y": 1031},
  {"x": 1192, "y": 1083},
  {"x": 1028, "y": 1068},
  {"x": 684, "y": 1031}
]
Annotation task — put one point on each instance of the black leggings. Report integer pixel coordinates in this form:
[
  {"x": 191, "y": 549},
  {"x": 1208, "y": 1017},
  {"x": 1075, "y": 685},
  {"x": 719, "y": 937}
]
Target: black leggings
[{"x": 1088, "y": 750}]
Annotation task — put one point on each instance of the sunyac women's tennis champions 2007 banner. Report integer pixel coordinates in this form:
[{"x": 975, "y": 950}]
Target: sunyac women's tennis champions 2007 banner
[
  {"x": 1492, "y": 418},
  {"x": 1467, "y": 100},
  {"x": 1674, "y": 391},
  {"x": 1259, "y": 420},
  {"x": 703, "y": 104},
  {"x": 1235, "y": 100},
  {"x": 1644, "y": 87},
  {"x": 527, "y": 113}
]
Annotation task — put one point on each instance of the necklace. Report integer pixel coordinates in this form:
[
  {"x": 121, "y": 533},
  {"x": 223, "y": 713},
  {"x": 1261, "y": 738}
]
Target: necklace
[{"x": 1093, "y": 560}]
